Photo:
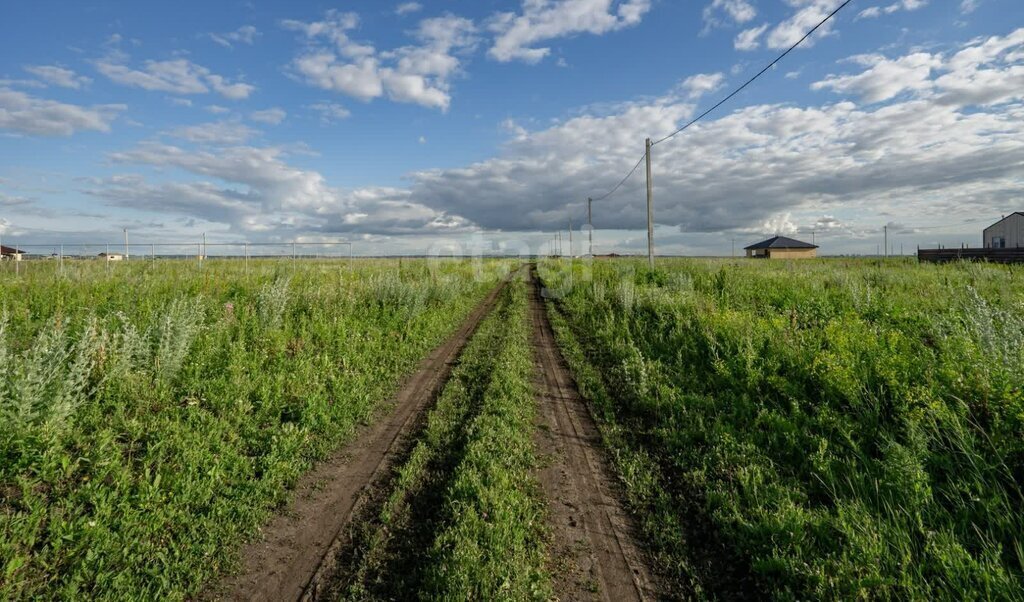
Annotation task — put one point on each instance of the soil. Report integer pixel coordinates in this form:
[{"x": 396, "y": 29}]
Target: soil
[
  {"x": 294, "y": 557},
  {"x": 593, "y": 546}
]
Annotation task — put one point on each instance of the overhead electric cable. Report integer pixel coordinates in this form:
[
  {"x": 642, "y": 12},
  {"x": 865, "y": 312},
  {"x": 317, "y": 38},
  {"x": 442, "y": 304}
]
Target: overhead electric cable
[
  {"x": 727, "y": 98},
  {"x": 757, "y": 75}
]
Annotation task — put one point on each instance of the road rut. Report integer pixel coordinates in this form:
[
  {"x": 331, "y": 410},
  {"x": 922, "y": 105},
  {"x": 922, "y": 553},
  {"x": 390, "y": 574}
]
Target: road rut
[
  {"x": 295, "y": 555},
  {"x": 594, "y": 553}
]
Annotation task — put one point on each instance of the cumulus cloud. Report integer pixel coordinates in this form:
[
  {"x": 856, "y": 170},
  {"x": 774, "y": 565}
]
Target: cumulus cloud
[
  {"x": 938, "y": 150},
  {"x": 809, "y": 13},
  {"x": 418, "y": 74},
  {"x": 969, "y": 6},
  {"x": 722, "y": 12},
  {"x": 330, "y": 112},
  {"x": 58, "y": 76},
  {"x": 26, "y": 114},
  {"x": 254, "y": 191},
  {"x": 877, "y": 11},
  {"x": 698, "y": 85},
  {"x": 884, "y": 79},
  {"x": 177, "y": 76},
  {"x": 272, "y": 116},
  {"x": 749, "y": 39},
  {"x": 216, "y": 132},
  {"x": 984, "y": 72},
  {"x": 517, "y": 34},
  {"x": 245, "y": 34},
  {"x": 407, "y": 8}
]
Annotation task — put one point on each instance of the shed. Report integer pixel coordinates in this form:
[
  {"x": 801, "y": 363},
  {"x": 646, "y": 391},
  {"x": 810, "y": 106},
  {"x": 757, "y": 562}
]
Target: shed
[
  {"x": 1007, "y": 233},
  {"x": 781, "y": 247},
  {"x": 11, "y": 253},
  {"x": 112, "y": 256}
]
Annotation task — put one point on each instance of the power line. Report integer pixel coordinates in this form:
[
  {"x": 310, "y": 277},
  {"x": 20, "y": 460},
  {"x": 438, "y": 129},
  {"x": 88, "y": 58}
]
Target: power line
[
  {"x": 724, "y": 100},
  {"x": 623, "y": 181},
  {"x": 759, "y": 74}
]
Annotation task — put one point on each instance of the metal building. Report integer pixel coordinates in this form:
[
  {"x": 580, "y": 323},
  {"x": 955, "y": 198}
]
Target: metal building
[{"x": 1007, "y": 233}]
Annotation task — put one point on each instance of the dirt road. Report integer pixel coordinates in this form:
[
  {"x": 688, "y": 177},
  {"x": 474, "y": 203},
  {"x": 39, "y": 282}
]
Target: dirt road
[
  {"x": 295, "y": 554},
  {"x": 594, "y": 553}
]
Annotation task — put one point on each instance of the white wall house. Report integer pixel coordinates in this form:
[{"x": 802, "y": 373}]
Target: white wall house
[{"x": 1007, "y": 233}]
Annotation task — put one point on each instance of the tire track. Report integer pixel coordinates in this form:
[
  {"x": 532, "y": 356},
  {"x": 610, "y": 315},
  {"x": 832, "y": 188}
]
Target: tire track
[
  {"x": 593, "y": 549},
  {"x": 296, "y": 554}
]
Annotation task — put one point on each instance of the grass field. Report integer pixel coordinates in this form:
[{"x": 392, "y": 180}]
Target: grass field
[
  {"x": 464, "y": 520},
  {"x": 152, "y": 417},
  {"x": 827, "y": 429}
]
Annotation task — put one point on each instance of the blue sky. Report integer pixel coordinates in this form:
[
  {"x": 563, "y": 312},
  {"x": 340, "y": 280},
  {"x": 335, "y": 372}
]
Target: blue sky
[{"x": 407, "y": 125}]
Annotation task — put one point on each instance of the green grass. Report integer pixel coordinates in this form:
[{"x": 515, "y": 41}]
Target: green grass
[
  {"x": 822, "y": 429},
  {"x": 464, "y": 518},
  {"x": 152, "y": 417}
]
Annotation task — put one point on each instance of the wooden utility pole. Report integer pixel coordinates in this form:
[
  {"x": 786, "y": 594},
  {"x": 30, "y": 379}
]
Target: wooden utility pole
[
  {"x": 650, "y": 208},
  {"x": 570, "y": 238},
  {"x": 590, "y": 226}
]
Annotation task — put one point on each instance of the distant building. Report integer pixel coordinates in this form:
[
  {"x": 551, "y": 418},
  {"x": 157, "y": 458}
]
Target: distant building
[
  {"x": 112, "y": 256},
  {"x": 11, "y": 253},
  {"x": 781, "y": 247},
  {"x": 1007, "y": 233}
]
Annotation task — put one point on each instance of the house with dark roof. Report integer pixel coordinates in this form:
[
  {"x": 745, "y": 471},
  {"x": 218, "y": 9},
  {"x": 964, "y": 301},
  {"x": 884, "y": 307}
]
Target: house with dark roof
[
  {"x": 782, "y": 247},
  {"x": 11, "y": 253},
  {"x": 1007, "y": 233}
]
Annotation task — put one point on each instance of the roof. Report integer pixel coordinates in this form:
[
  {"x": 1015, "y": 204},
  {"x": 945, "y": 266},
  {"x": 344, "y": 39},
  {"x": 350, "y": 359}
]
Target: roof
[
  {"x": 1006, "y": 218},
  {"x": 5, "y": 250},
  {"x": 781, "y": 242}
]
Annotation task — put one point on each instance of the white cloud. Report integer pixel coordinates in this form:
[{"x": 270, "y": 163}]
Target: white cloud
[
  {"x": 749, "y": 39},
  {"x": 245, "y": 34},
  {"x": 969, "y": 6},
  {"x": 417, "y": 74},
  {"x": 177, "y": 76},
  {"x": 870, "y": 12},
  {"x": 943, "y": 149},
  {"x": 885, "y": 78},
  {"x": 809, "y": 13},
  {"x": 877, "y": 11},
  {"x": 541, "y": 20},
  {"x": 406, "y": 8},
  {"x": 26, "y": 114},
  {"x": 217, "y": 109},
  {"x": 983, "y": 72},
  {"x": 698, "y": 85},
  {"x": 58, "y": 76},
  {"x": 256, "y": 192},
  {"x": 271, "y": 116},
  {"x": 330, "y": 112},
  {"x": 215, "y": 133},
  {"x": 721, "y": 12},
  {"x": 423, "y": 140},
  {"x": 181, "y": 102}
]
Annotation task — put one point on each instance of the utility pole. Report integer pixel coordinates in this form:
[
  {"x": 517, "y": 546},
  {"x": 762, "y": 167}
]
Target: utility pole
[
  {"x": 590, "y": 225},
  {"x": 813, "y": 232},
  {"x": 570, "y": 238},
  {"x": 560, "y": 253},
  {"x": 126, "y": 245},
  {"x": 203, "y": 253},
  {"x": 650, "y": 207},
  {"x": 885, "y": 230}
]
